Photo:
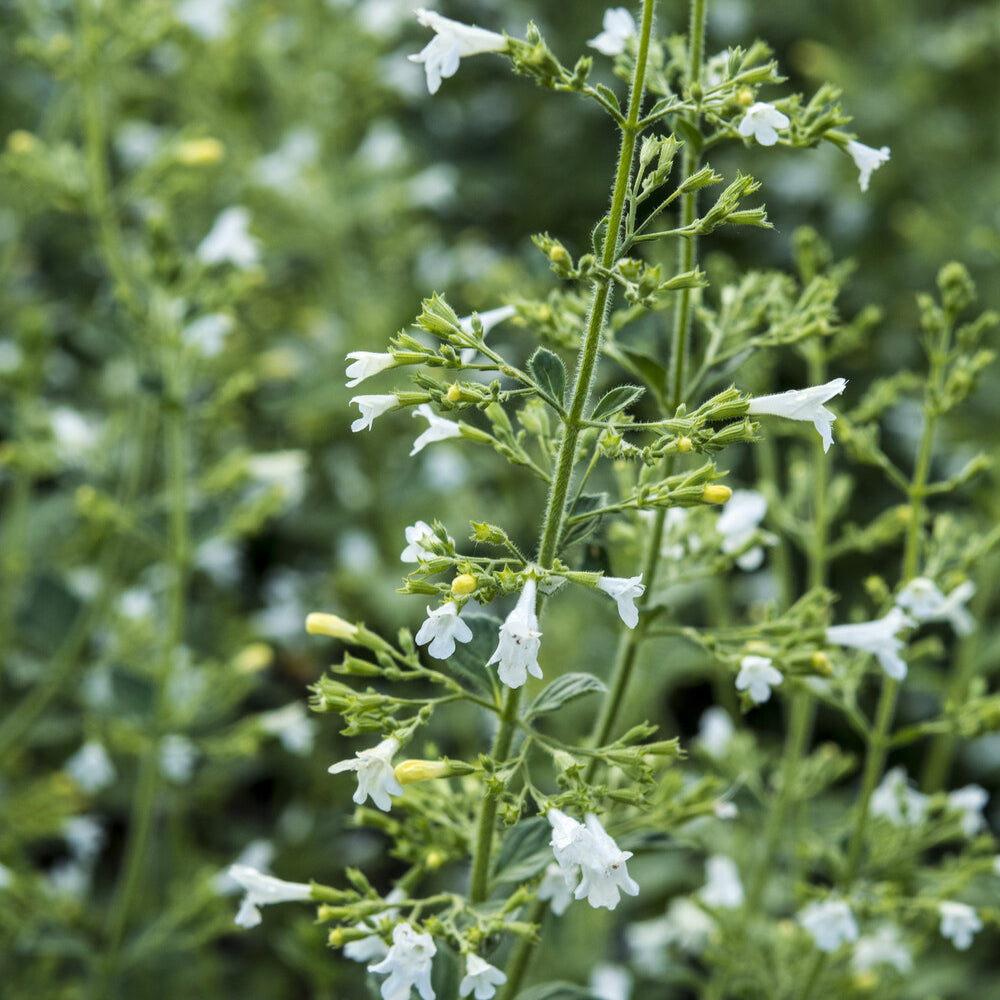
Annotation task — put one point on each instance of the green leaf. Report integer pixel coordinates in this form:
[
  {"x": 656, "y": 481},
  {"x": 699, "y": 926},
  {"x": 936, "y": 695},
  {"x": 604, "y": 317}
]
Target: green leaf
[
  {"x": 598, "y": 236},
  {"x": 468, "y": 662},
  {"x": 556, "y": 991},
  {"x": 550, "y": 373},
  {"x": 564, "y": 689},
  {"x": 524, "y": 851},
  {"x": 649, "y": 369},
  {"x": 615, "y": 400},
  {"x": 586, "y": 503}
]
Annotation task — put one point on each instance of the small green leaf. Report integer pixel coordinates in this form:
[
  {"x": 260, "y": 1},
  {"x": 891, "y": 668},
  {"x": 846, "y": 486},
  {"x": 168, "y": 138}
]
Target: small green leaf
[
  {"x": 468, "y": 662},
  {"x": 524, "y": 851},
  {"x": 564, "y": 689},
  {"x": 615, "y": 400},
  {"x": 550, "y": 373},
  {"x": 598, "y": 236},
  {"x": 586, "y": 503}
]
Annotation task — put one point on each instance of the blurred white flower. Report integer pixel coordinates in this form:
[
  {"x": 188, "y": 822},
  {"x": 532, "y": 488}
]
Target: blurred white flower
[
  {"x": 762, "y": 122},
  {"x": 610, "y": 982},
  {"x": 970, "y": 802},
  {"x": 74, "y": 434},
  {"x": 178, "y": 756},
  {"x": 830, "y": 923},
  {"x": 207, "y": 334},
  {"x": 895, "y": 800},
  {"x": 282, "y": 169},
  {"x": 263, "y": 890},
  {"x": 876, "y": 637},
  {"x": 69, "y": 878},
  {"x": 619, "y": 27},
  {"x": 757, "y": 676},
  {"x": 451, "y": 42},
  {"x": 407, "y": 964},
  {"x": 554, "y": 888},
  {"x": 442, "y": 629},
  {"x": 959, "y": 923},
  {"x": 739, "y": 522},
  {"x": 284, "y": 469},
  {"x": 295, "y": 730},
  {"x": 723, "y": 887},
  {"x": 804, "y": 404},
  {"x": 884, "y": 947},
  {"x": 257, "y": 854},
  {"x": 6, "y": 877},
  {"x": 647, "y": 942},
  {"x": 137, "y": 143},
  {"x": 517, "y": 651},
  {"x": 371, "y": 407},
  {"x": 715, "y": 731},
  {"x": 922, "y": 600},
  {"x": 229, "y": 240},
  {"x": 366, "y": 364},
  {"x": 383, "y": 146},
  {"x": 867, "y": 160},
  {"x": 375, "y": 774},
  {"x": 439, "y": 429},
  {"x": 84, "y": 837},
  {"x": 91, "y": 768},
  {"x": 136, "y": 604},
  {"x": 481, "y": 978},
  {"x": 688, "y": 925},
  {"x": 220, "y": 559},
  {"x": 372, "y": 947},
  {"x": 209, "y": 19}
]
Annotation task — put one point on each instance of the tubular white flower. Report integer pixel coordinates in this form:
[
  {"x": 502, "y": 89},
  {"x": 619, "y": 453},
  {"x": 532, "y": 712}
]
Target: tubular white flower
[
  {"x": 970, "y": 802},
  {"x": 439, "y": 429},
  {"x": 619, "y": 27},
  {"x": 922, "y": 600},
  {"x": 830, "y": 923},
  {"x": 867, "y": 160},
  {"x": 723, "y": 887},
  {"x": 407, "y": 964},
  {"x": 488, "y": 319},
  {"x": 804, "y": 404},
  {"x": 375, "y": 774},
  {"x": 417, "y": 538},
  {"x": 610, "y": 982},
  {"x": 229, "y": 240},
  {"x": 452, "y": 41},
  {"x": 896, "y": 801},
  {"x": 884, "y": 947},
  {"x": 757, "y": 676},
  {"x": 553, "y": 887},
  {"x": 762, "y": 122},
  {"x": 480, "y": 977},
  {"x": 738, "y": 523},
  {"x": 442, "y": 629},
  {"x": 959, "y": 923},
  {"x": 262, "y": 890},
  {"x": 877, "y": 637},
  {"x": 624, "y": 590},
  {"x": 517, "y": 651},
  {"x": 366, "y": 364},
  {"x": 371, "y": 407}
]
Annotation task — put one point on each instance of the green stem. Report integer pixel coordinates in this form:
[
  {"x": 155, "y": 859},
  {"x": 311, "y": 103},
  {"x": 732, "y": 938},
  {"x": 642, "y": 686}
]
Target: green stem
[{"x": 819, "y": 964}]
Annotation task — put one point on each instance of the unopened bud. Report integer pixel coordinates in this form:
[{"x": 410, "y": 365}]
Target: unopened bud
[
  {"x": 20, "y": 142},
  {"x": 253, "y": 658},
  {"x": 200, "y": 152},
  {"x": 560, "y": 255},
  {"x": 821, "y": 663},
  {"x": 716, "y": 494},
  {"x": 454, "y": 394},
  {"x": 322, "y": 624},
  {"x": 745, "y": 97},
  {"x": 464, "y": 583},
  {"x": 410, "y": 771},
  {"x": 435, "y": 859},
  {"x": 684, "y": 445}
]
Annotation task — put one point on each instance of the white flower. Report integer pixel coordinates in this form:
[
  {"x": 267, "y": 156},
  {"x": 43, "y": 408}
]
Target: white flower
[
  {"x": 647, "y": 942},
  {"x": 207, "y": 334},
  {"x": 896, "y": 801},
  {"x": 366, "y": 364},
  {"x": 725, "y": 810},
  {"x": 229, "y": 240},
  {"x": 619, "y": 27},
  {"x": 830, "y": 923},
  {"x": 407, "y": 964},
  {"x": 209, "y": 19},
  {"x": 884, "y": 947},
  {"x": 624, "y": 590},
  {"x": 481, "y": 977},
  {"x": 91, "y": 768},
  {"x": 715, "y": 730},
  {"x": 924, "y": 602},
  {"x": 723, "y": 887},
  {"x": 6, "y": 877},
  {"x": 375, "y": 774},
  {"x": 969, "y": 801},
  {"x": 257, "y": 854},
  {"x": 295, "y": 730},
  {"x": 74, "y": 434},
  {"x": 689, "y": 926},
  {"x": 804, "y": 404},
  {"x": 442, "y": 629},
  {"x": 439, "y": 429},
  {"x": 738, "y": 524},
  {"x": 489, "y": 319},
  {"x": 757, "y": 676},
  {"x": 877, "y": 637},
  {"x": 610, "y": 982},
  {"x": 554, "y": 888},
  {"x": 285, "y": 470},
  {"x": 178, "y": 756},
  {"x": 517, "y": 651},
  {"x": 866, "y": 160},
  {"x": 452, "y": 41},
  {"x": 372, "y": 947},
  {"x": 959, "y": 923},
  {"x": 84, "y": 837},
  {"x": 417, "y": 537},
  {"x": 762, "y": 122},
  {"x": 587, "y": 853},
  {"x": 371, "y": 408},
  {"x": 262, "y": 890}
]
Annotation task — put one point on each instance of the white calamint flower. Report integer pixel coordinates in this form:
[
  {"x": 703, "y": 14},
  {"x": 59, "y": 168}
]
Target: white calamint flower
[
  {"x": 295, "y": 730},
  {"x": 262, "y": 890},
  {"x": 884, "y": 947},
  {"x": 84, "y": 837},
  {"x": 488, "y": 319},
  {"x": 207, "y": 334},
  {"x": 371, "y": 408},
  {"x": 257, "y": 854},
  {"x": 922, "y": 600},
  {"x": 688, "y": 926},
  {"x": 804, "y": 404},
  {"x": 481, "y": 978},
  {"x": 867, "y": 160},
  {"x": 366, "y": 364},
  {"x": 375, "y": 773},
  {"x": 624, "y": 590},
  {"x": 439, "y": 429},
  {"x": 757, "y": 676},
  {"x": 723, "y": 887},
  {"x": 895, "y": 800},
  {"x": 715, "y": 731},
  {"x": 970, "y": 802},
  {"x": 178, "y": 756},
  {"x": 610, "y": 982},
  {"x": 619, "y": 27},
  {"x": 830, "y": 923},
  {"x": 408, "y": 964},
  {"x": 442, "y": 629},
  {"x": 91, "y": 768},
  {"x": 588, "y": 854},
  {"x": 229, "y": 240},
  {"x": 517, "y": 650},
  {"x": 762, "y": 121},
  {"x": 417, "y": 538},
  {"x": 739, "y": 522},
  {"x": 877, "y": 637},
  {"x": 553, "y": 887},
  {"x": 959, "y": 923},
  {"x": 452, "y": 41}
]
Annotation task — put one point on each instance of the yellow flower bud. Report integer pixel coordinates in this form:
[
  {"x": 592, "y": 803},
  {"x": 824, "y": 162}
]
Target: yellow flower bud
[
  {"x": 454, "y": 394},
  {"x": 336, "y": 938},
  {"x": 435, "y": 859},
  {"x": 253, "y": 658},
  {"x": 409, "y": 771},
  {"x": 200, "y": 152},
  {"x": 745, "y": 97},
  {"x": 821, "y": 664},
  {"x": 21, "y": 143},
  {"x": 684, "y": 445},
  {"x": 464, "y": 583},
  {"x": 559, "y": 255},
  {"x": 331, "y": 625},
  {"x": 757, "y": 646},
  {"x": 716, "y": 494}
]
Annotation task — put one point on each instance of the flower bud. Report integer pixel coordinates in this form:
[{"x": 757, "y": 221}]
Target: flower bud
[
  {"x": 745, "y": 97},
  {"x": 20, "y": 142},
  {"x": 716, "y": 494},
  {"x": 331, "y": 625},
  {"x": 684, "y": 445},
  {"x": 253, "y": 658},
  {"x": 200, "y": 152},
  {"x": 821, "y": 664},
  {"x": 454, "y": 394},
  {"x": 409, "y": 771},
  {"x": 434, "y": 859},
  {"x": 464, "y": 583}
]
